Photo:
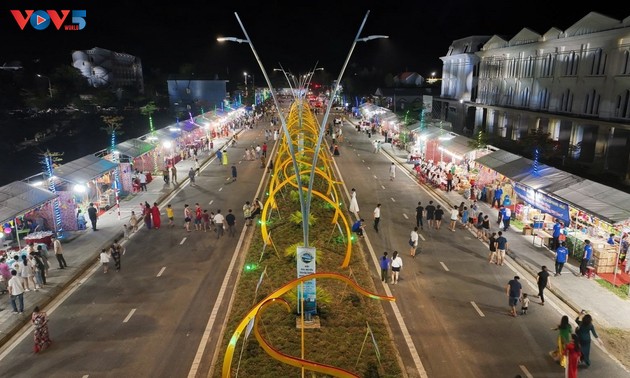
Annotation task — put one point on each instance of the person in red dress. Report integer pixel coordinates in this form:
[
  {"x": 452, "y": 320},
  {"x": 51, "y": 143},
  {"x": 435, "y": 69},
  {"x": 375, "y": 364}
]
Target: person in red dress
[
  {"x": 573, "y": 356},
  {"x": 155, "y": 213}
]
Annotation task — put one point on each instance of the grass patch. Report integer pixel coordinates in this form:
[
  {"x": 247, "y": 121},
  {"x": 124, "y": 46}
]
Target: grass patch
[
  {"x": 620, "y": 291},
  {"x": 517, "y": 224}
]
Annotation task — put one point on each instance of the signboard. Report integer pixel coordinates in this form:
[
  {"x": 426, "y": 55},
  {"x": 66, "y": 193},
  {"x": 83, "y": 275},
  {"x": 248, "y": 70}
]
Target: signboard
[
  {"x": 305, "y": 266},
  {"x": 543, "y": 202}
]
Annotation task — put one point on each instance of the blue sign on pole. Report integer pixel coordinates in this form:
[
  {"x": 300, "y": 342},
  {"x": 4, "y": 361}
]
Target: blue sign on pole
[{"x": 306, "y": 266}]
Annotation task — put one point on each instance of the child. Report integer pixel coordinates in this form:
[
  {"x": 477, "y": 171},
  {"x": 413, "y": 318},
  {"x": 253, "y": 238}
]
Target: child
[
  {"x": 104, "y": 258},
  {"x": 133, "y": 221},
  {"x": 524, "y": 304},
  {"x": 170, "y": 215},
  {"x": 126, "y": 230},
  {"x": 384, "y": 267}
]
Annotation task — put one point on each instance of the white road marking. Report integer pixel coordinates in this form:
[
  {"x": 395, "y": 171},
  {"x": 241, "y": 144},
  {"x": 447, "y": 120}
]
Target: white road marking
[
  {"x": 382, "y": 186},
  {"x": 525, "y": 371},
  {"x": 422, "y": 237},
  {"x": 210, "y": 203},
  {"x": 374, "y": 176},
  {"x": 444, "y": 266},
  {"x": 393, "y": 200},
  {"x": 182, "y": 242},
  {"x": 133, "y": 310},
  {"x": 405, "y": 215},
  {"x": 161, "y": 271},
  {"x": 362, "y": 160},
  {"x": 478, "y": 310},
  {"x": 85, "y": 376},
  {"x": 220, "y": 189},
  {"x": 369, "y": 168}
]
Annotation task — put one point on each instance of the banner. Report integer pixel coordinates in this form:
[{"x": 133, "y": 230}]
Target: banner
[
  {"x": 543, "y": 202},
  {"x": 306, "y": 266}
]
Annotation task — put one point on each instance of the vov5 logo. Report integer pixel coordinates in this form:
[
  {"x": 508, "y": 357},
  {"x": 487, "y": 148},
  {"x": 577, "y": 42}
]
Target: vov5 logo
[{"x": 41, "y": 19}]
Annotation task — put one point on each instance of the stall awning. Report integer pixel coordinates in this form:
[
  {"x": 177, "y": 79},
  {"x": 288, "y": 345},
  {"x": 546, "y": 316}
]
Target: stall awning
[
  {"x": 134, "y": 148},
  {"x": 609, "y": 204},
  {"x": 458, "y": 146},
  {"x": 82, "y": 170},
  {"x": 19, "y": 197},
  {"x": 189, "y": 126}
]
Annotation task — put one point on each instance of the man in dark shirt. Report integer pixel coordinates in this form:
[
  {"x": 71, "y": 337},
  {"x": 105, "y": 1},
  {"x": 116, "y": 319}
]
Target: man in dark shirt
[
  {"x": 543, "y": 282},
  {"x": 502, "y": 245},
  {"x": 419, "y": 215},
  {"x": 439, "y": 213},
  {"x": 230, "y": 219},
  {"x": 430, "y": 214},
  {"x": 93, "y": 214},
  {"x": 492, "y": 244},
  {"x": 514, "y": 292}
]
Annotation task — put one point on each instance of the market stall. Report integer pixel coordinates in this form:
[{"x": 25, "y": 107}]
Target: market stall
[
  {"x": 130, "y": 155},
  {"x": 90, "y": 180},
  {"x": 17, "y": 200}
]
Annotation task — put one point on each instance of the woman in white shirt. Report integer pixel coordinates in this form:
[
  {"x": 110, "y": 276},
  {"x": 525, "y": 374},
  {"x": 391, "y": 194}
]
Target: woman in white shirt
[{"x": 396, "y": 265}]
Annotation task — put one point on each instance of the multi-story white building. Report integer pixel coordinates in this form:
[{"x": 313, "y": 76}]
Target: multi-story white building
[
  {"x": 572, "y": 84},
  {"x": 104, "y": 67}
]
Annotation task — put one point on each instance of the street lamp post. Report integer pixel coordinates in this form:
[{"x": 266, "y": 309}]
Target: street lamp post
[{"x": 49, "y": 84}]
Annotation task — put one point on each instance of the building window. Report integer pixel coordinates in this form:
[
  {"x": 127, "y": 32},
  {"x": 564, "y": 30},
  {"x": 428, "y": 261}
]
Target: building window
[
  {"x": 598, "y": 62},
  {"x": 509, "y": 96},
  {"x": 566, "y": 101},
  {"x": 623, "y": 105},
  {"x": 543, "y": 99},
  {"x": 625, "y": 66},
  {"x": 571, "y": 62},
  {"x": 591, "y": 105},
  {"x": 528, "y": 67},
  {"x": 547, "y": 66},
  {"x": 525, "y": 98}
]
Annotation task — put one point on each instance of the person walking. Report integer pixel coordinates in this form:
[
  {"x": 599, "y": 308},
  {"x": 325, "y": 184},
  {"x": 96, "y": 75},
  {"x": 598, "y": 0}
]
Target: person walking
[
  {"x": 439, "y": 213},
  {"x": 584, "y": 330},
  {"x": 562, "y": 253},
  {"x": 230, "y": 220},
  {"x": 233, "y": 173},
  {"x": 392, "y": 172},
  {"x": 377, "y": 216},
  {"x": 486, "y": 227},
  {"x": 197, "y": 166},
  {"x": 133, "y": 221},
  {"x": 479, "y": 226},
  {"x": 191, "y": 176},
  {"x": 115, "y": 252},
  {"x": 419, "y": 215},
  {"x": 449, "y": 181},
  {"x": 586, "y": 258},
  {"x": 574, "y": 354},
  {"x": 166, "y": 174},
  {"x": 187, "y": 217},
  {"x": 564, "y": 337},
  {"x": 543, "y": 282},
  {"x": 218, "y": 221},
  {"x": 514, "y": 291},
  {"x": 465, "y": 217},
  {"x": 170, "y": 214},
  {"x": 93, "y": 215},
  {"x": 354, "y": 205},
  {"x": 59, "y": 252},
  {"x": 454, "y": 218},
  {"x": 224, "y": 157},
  {"x": 384, "y": 262},
  {"x": 198, "y": 217},
  {"x": 205, "y": 220},
  {"x": 143, "y": 181},
  {"x": 174, "y": 175},
  {"x": 507, "y": 217},
  {"x": 492, "y": 245},
  {"x": 155, "y": 214},
  {"x": 413, "y": 242},
  {"x": 16, "y": 292},
  {"x": 430, "y": 209},
  {"x": 502, "y": 246},
  {"x": 41, "y": 337},
  {"x": 396, "y": 265},
  {"x": 247, "y": 213},
  {"x": 104, "y": 259},
  {"x": 147, "y": 215}
]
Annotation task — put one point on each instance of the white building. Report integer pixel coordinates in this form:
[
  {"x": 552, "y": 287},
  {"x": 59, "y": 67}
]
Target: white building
[
  {"x": 103, "y": 68},
  {"x": 572, "y": 84}
]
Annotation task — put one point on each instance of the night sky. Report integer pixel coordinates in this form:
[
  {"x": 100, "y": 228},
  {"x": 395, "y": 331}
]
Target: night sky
[{"x": 296, "y": 34}]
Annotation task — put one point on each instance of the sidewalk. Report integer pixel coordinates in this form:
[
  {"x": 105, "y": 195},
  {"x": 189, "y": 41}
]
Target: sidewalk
[
  {"x": 577, "y": 292},
  {"x": 81, "y": 248}
]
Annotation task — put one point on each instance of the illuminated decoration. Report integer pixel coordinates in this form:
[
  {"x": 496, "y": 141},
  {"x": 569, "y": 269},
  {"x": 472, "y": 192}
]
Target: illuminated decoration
[
  {"x": 116, "y": 175},
  {"x": 148, "y": 110},
  {"x": 535, "y": 166},
  {"x": 49, "y": 159},
  {"x": 255, "y": 312}
]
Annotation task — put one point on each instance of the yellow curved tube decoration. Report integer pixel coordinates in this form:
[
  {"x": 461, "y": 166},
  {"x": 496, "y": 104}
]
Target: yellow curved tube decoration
[{"x": 229, "y": 353}]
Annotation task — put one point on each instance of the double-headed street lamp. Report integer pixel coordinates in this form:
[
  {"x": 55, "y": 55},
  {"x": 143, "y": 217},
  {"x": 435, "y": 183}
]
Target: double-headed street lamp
[{"x": 49, "y": 84}]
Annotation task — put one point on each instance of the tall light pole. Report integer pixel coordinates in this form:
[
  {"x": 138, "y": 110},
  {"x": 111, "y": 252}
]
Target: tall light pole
[{"x": 49, "y": 84}]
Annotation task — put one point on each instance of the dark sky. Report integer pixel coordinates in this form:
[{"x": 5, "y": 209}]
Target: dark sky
[{"x": 297, "y": 34}]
